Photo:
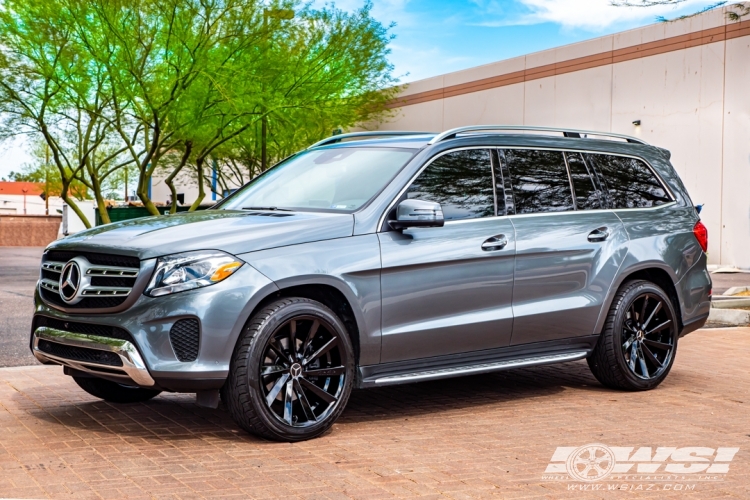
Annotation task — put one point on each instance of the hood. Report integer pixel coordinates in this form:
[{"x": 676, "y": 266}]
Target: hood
[{"x": 232, "y": 231}]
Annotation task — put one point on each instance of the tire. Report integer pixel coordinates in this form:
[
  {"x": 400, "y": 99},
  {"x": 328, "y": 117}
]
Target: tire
[
  {"x": 114, "y": 392},
  {"x": 631, "y": 356},
  {"x": 302, "y": 391}
]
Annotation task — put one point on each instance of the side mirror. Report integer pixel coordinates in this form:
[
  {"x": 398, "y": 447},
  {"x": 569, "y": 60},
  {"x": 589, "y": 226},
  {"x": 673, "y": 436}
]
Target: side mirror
[{"x": 417, "y": 213}]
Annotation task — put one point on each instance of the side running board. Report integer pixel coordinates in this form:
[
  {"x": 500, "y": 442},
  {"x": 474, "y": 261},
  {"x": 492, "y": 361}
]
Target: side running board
[{"x": 457, "y": 371}]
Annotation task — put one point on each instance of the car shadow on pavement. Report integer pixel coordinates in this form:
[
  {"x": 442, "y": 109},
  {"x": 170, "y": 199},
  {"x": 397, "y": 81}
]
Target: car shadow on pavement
[
  {"x": 434, "y": 397},
  {"x": 176, "y": 417}
]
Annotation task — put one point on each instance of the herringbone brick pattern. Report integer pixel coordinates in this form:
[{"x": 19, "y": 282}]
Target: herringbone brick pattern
[{"x": 474, "y": 437}]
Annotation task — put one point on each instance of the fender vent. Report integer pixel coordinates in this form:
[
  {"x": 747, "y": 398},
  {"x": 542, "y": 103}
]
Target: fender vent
[{"x": 185, "y": 338}]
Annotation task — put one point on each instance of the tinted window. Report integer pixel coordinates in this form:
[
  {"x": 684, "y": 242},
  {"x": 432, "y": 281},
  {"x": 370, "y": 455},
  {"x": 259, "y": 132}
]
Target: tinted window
[
  {"x": 461, "y": 182},
  {"x": 587, "y": 196},
  {"x": 630, "y": 183},
  {"x": 540, "y": 181}
]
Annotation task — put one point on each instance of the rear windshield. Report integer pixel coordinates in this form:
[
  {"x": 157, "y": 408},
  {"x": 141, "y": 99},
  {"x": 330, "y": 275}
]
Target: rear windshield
[{"x": 340, "y": 179}]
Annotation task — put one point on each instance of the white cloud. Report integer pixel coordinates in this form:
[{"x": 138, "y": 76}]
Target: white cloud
[{"x": 597, "y": 15}]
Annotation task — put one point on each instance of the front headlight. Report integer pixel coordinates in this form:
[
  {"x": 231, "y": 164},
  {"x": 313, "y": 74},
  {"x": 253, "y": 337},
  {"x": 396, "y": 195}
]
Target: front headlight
[{"x": 185, "y": 271}]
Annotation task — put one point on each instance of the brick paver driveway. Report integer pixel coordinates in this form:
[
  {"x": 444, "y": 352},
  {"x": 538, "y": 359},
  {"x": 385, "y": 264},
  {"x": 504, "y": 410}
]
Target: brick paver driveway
[{"x": 472, "y": 437}]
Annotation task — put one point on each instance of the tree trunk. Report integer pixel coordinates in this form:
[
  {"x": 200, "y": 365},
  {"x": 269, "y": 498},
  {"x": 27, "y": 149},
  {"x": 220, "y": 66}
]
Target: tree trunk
[
  {"x": 170, "y": 180},
  {"x": 201, "y": 190},
  {"x": 142, "y": 192},
  {"x": 102, "y": 207},
  {"x": 72, "y": 204}
]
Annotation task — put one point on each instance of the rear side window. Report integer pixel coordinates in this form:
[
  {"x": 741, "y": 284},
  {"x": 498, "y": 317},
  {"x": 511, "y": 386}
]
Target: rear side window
[
  {"x": 629, "y": 182},
  {"x": 539, "y": 179},
  {"x": 587, "y": 196},
  {"x": 461, "y": 181}
]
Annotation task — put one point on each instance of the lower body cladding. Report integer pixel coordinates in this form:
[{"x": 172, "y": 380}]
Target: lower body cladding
[
  {"x": 178, "y": 343},
  {"x": 477, "y": 362}
]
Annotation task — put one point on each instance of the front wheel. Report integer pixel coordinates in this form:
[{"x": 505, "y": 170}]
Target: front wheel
[
  {"x": 291, "y": 372},
  {"x": 638, "y": 345}
]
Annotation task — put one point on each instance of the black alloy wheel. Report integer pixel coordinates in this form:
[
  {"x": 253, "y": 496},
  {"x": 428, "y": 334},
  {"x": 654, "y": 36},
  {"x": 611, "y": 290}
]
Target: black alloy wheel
[
  {"x": 303, "y": 371},
  {"x": 648, "y": 334},
  {"x": 292, "y": 371},
  {"x": 638, "y": 344}
]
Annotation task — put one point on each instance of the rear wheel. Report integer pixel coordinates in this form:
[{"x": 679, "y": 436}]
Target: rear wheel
[
  {"x": 638, "y": 345},
  {"x": 291, "y": 372},
  {"x": 114, "y": 392}
]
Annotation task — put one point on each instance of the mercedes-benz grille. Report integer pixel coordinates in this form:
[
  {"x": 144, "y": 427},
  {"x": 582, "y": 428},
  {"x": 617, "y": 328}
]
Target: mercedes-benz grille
[{"x": 87, "y": 280}]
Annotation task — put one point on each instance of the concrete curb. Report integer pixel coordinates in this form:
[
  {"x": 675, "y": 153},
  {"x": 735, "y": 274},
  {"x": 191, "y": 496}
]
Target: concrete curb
[
  {"x": 729, "y": 317},
  {"x": 731, "y": 303}
]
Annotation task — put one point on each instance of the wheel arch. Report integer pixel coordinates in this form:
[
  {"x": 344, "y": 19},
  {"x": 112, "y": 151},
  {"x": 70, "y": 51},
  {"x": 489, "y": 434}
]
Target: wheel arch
[
  {"x": 327, "y": 294},
  {"x": 658, "y": 273}
]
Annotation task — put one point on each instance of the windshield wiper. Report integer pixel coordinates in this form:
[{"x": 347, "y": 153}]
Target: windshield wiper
[{"x": 275, "y": 209}]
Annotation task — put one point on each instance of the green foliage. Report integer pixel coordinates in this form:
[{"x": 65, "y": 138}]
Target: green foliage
[
  {"x": 741, "y": 11},
  {"x": 166, "y": 85},
  {"x": 663, "y": 19}
]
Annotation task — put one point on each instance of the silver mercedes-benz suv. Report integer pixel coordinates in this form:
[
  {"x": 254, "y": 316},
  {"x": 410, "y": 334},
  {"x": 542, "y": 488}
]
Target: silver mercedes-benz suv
[{"x": 380, "y": 258}]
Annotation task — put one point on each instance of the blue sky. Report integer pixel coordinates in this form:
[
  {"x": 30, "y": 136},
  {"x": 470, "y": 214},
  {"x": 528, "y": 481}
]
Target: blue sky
[{"x": 439, "y": 36}]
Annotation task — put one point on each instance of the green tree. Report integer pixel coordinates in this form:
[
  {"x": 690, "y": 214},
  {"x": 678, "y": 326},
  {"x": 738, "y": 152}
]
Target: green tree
[
  {"x": 51, "y": 88},
  {"x": 325, "y": 69},
  {"x": 120, "y": 84}
]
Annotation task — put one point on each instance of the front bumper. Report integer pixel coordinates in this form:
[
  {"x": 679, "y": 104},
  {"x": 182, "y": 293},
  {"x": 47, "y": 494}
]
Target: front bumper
[
  {"x": 149, "y": 359},
  {"x": 131, "y": 366}
]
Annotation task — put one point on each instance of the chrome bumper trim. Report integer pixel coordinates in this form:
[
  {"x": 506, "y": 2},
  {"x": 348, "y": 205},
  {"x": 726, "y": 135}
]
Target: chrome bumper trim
[{"x": 132, "y": 363}]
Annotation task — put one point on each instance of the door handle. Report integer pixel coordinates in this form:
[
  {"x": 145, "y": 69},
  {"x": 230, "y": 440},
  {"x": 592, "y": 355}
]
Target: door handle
[
  {"x": 598, "y": 234},
  {"x": 497, "y": 242}
]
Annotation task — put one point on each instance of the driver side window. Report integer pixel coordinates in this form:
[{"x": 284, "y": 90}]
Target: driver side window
[{"x": 461, "y": 181}]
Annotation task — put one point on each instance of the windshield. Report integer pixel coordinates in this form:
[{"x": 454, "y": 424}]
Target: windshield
[{"x": 328, "y": 179}]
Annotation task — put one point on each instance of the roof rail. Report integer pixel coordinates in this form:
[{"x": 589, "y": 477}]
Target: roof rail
[
  {"x": 450, "y": 134},
  {"x": 373, "y": 134}
]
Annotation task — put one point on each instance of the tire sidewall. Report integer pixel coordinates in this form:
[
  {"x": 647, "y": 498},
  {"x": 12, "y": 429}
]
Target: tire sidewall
[
  {"x": 253, "y": 358},
  {"x": 617, "y": 337}
]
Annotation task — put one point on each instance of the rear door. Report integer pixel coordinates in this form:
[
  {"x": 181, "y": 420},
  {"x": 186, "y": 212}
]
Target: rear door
[
  {"x": 448, "y": 290},
  {"x": 569, "y": 246}
]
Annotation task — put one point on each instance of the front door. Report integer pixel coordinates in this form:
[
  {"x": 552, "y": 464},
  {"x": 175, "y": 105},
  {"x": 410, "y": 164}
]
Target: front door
[
  {"x": 448, "y": 289},
  {"x": 568, "y": 245}
]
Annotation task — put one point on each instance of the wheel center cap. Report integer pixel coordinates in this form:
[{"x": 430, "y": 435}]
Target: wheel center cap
[
  {"x": 640, "y": 335},
  {"x": 295, "y": 370}
]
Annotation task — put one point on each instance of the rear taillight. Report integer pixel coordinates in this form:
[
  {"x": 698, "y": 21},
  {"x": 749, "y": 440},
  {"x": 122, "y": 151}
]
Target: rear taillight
[{"x": 701, "y": 234}]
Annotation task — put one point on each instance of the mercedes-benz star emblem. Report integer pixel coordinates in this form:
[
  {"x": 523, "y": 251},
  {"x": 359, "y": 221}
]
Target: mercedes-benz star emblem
[
  {"x": 296, "y": 370},
  {"x": 70, "y": 281}
]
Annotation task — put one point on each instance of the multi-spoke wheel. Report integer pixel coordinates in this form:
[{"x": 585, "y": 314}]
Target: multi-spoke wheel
[
  {"x": 291, "y": 372},
  {"x": 648, "y": 334},
  {"x": 637, "y": 347}
]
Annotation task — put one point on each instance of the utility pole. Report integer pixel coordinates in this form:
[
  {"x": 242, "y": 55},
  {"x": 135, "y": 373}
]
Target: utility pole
[{"x": 126, "y": 184}]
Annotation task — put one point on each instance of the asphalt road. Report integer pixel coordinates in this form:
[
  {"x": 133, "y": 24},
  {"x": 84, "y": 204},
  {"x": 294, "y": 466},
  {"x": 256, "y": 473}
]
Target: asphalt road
[{"x": 19, "y": 271}]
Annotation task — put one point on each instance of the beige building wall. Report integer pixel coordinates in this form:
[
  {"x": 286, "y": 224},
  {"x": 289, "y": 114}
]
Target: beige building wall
[{"x": 687, "y": 81}]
